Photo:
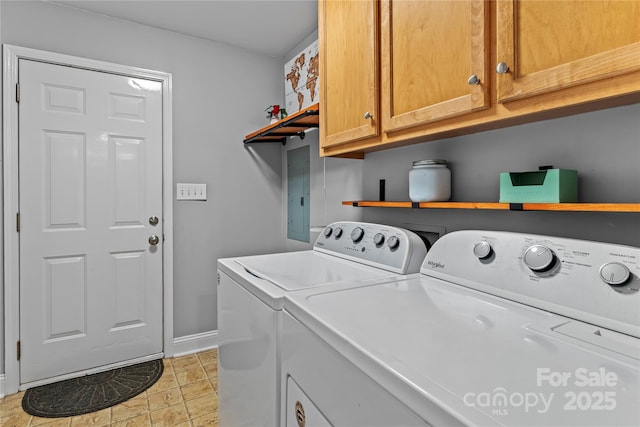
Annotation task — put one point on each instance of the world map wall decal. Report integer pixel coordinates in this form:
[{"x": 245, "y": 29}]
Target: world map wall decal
[{"x": 301, "y": 79}]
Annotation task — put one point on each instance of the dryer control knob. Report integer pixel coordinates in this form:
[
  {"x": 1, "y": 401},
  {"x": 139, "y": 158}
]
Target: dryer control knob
[
  {"x": 393, "y": 242},
  {"x": 337, "y": 232},
  {"x": 378, "y": 239},
  {"x": 539, "y": 258},
  {"x": 482, "y": 249},
  {"x": 357, "y": 234},
  {"x": 328, "y": 231},
  {"x": 614, "y": 273}
]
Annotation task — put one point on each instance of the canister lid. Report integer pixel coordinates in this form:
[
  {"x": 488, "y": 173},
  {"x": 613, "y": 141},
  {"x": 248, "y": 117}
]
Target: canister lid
[{"x": 429, "y": 162}]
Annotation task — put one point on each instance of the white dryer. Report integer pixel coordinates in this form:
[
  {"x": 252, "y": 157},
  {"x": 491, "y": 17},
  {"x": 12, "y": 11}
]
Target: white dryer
[
  {"x": 499, "y": 329},
  {"x": 250, "y": 298}
]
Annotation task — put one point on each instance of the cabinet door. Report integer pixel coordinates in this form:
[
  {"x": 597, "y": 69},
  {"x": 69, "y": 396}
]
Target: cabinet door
[
  {"x": 430, "y": 50},
  {"x": 349, "y": 62},
  {"x": 553, "y": 45}
]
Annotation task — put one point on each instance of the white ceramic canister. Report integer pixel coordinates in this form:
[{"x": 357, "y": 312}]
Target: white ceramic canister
[{"x": 429, "y": 181}]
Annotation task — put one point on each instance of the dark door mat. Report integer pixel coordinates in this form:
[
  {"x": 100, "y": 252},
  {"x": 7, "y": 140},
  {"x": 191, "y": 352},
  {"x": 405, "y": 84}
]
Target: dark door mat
[{"x": 91, "y": 393}]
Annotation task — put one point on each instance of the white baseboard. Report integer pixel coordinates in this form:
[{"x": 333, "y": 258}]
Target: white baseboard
[
  {"x": 1, "y": 386},
  {"x": 190, "y": 344}
]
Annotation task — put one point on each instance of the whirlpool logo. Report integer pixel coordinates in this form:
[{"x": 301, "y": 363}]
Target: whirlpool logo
[{"x": 435, "y": 264}]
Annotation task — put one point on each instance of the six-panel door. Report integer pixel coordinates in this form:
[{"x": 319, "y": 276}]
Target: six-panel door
[{"x": 90, "y": 172}]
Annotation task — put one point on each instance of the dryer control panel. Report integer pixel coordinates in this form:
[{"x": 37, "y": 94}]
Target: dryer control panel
[
  {"x": 387, "y": 247},
  {"x": 595, "y": 282}
]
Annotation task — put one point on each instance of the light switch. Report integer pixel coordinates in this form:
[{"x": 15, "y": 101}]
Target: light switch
[{"x": 191, "y": 191}]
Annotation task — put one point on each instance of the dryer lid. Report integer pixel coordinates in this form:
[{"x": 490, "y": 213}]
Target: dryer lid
[{"x": 466, "y": 349}]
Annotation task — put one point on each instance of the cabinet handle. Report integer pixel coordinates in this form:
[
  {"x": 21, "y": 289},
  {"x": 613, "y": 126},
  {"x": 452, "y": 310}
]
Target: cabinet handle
[
  {"x": 368, "y": 115},
  {"x": 473, "y": 80},
  {"x": 502, "y": 68}
]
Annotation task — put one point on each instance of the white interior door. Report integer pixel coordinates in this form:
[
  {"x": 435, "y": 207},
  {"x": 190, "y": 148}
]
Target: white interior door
[{"x": 90, "y": 178}]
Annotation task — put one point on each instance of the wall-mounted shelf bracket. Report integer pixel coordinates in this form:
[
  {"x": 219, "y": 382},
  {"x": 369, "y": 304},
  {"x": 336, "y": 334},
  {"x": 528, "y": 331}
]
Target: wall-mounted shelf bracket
[{"x": 293, "y": 125}]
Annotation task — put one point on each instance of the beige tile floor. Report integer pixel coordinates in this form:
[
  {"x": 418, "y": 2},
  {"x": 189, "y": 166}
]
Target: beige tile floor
[{"x": 185, "y": 396}]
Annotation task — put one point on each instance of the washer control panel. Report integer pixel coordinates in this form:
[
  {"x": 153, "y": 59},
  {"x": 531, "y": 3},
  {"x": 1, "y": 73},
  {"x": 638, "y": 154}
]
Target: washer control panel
[
  {"x": 591, "y": 281},
  {"x": 387, "y": 247}
]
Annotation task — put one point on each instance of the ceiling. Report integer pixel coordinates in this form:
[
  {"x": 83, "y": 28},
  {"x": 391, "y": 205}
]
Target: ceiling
[{"x": 272, "y": 27}]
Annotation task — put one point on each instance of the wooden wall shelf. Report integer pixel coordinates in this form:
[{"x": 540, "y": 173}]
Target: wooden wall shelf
[
  {"x": 293, "y": 125},
  {"x": 560, "y": 207}
]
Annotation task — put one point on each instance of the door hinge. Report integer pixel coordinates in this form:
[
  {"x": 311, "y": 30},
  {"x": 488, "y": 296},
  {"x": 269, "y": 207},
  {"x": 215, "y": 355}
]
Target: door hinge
[
  {"x": 18, "y": 222},
  {"x": 19, "y": 350},
  {"x": 17, "y": 92}
]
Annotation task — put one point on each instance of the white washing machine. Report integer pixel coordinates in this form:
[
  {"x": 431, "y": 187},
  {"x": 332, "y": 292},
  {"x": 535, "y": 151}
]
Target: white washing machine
[
  {"x": 499, "y": 329},
  {"x": 250, "y": 298}
]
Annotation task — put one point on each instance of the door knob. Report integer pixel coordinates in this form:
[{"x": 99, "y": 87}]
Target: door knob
[
  {"x": 154, "y": 240},
  {"x": 368, "y": 115},
  {"x": 153, "y": 220}
]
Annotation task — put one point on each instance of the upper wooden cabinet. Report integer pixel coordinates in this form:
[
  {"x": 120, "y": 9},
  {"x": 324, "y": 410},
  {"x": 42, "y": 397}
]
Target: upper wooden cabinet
[
  {"x": 549, "y": 46},
  {"x": 399, "y": 64},
  {"x": 408, "y": 63},
  {"x": 349, "y": 45},
  {"x": 434, "y": 60}
]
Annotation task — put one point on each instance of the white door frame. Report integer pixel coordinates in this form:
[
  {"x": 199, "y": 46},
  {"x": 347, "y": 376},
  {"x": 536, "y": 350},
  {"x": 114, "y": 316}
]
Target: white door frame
[{"x": 11, "y": 56}]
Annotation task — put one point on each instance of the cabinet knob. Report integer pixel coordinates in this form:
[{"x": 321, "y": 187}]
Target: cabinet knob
[
  {"x": 502, "y": 68},
  {"x": 473, "y": 80},
  {"x": 368, "y": 115}
]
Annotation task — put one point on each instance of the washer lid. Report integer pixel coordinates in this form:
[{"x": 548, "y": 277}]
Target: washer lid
[
  {"x": 468, "y": 352},
  {"x": 307, "y": 269}
]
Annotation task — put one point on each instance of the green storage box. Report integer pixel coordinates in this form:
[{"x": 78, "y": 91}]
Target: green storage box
[{"x": 543, "y": 186}]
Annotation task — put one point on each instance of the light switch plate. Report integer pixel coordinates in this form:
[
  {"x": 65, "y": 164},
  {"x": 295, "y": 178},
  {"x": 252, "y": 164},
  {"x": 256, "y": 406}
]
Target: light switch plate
[{"x": 191, "y": 191}]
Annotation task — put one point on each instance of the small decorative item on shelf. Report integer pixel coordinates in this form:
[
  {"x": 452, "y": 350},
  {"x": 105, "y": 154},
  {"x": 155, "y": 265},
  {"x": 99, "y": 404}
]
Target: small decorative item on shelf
[
  {"x": 429, "y": 181},
  {"x": 275, "y": 113},
  {"x": 546, "y": 185}
]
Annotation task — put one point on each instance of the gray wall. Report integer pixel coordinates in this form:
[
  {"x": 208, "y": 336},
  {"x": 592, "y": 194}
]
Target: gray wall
[
  {"x": 219, "y": 94},
  {"x": 332, "y": 179},
  {"x": 603, "y": 146}
]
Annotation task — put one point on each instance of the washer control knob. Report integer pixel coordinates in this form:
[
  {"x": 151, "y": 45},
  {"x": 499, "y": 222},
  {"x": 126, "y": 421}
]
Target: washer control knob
[
  {"x": 337, "y": 232},
  {"x": 482, "y": 249},
  {"x": 393, "y": 242},
  {"x": 539, "y": 258},
  {"x": 328, "y": 231},
  {"x": 378, "y": 239},
  {"x": 357, "y": 234},
  {"x": 614, "y": 273}
]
